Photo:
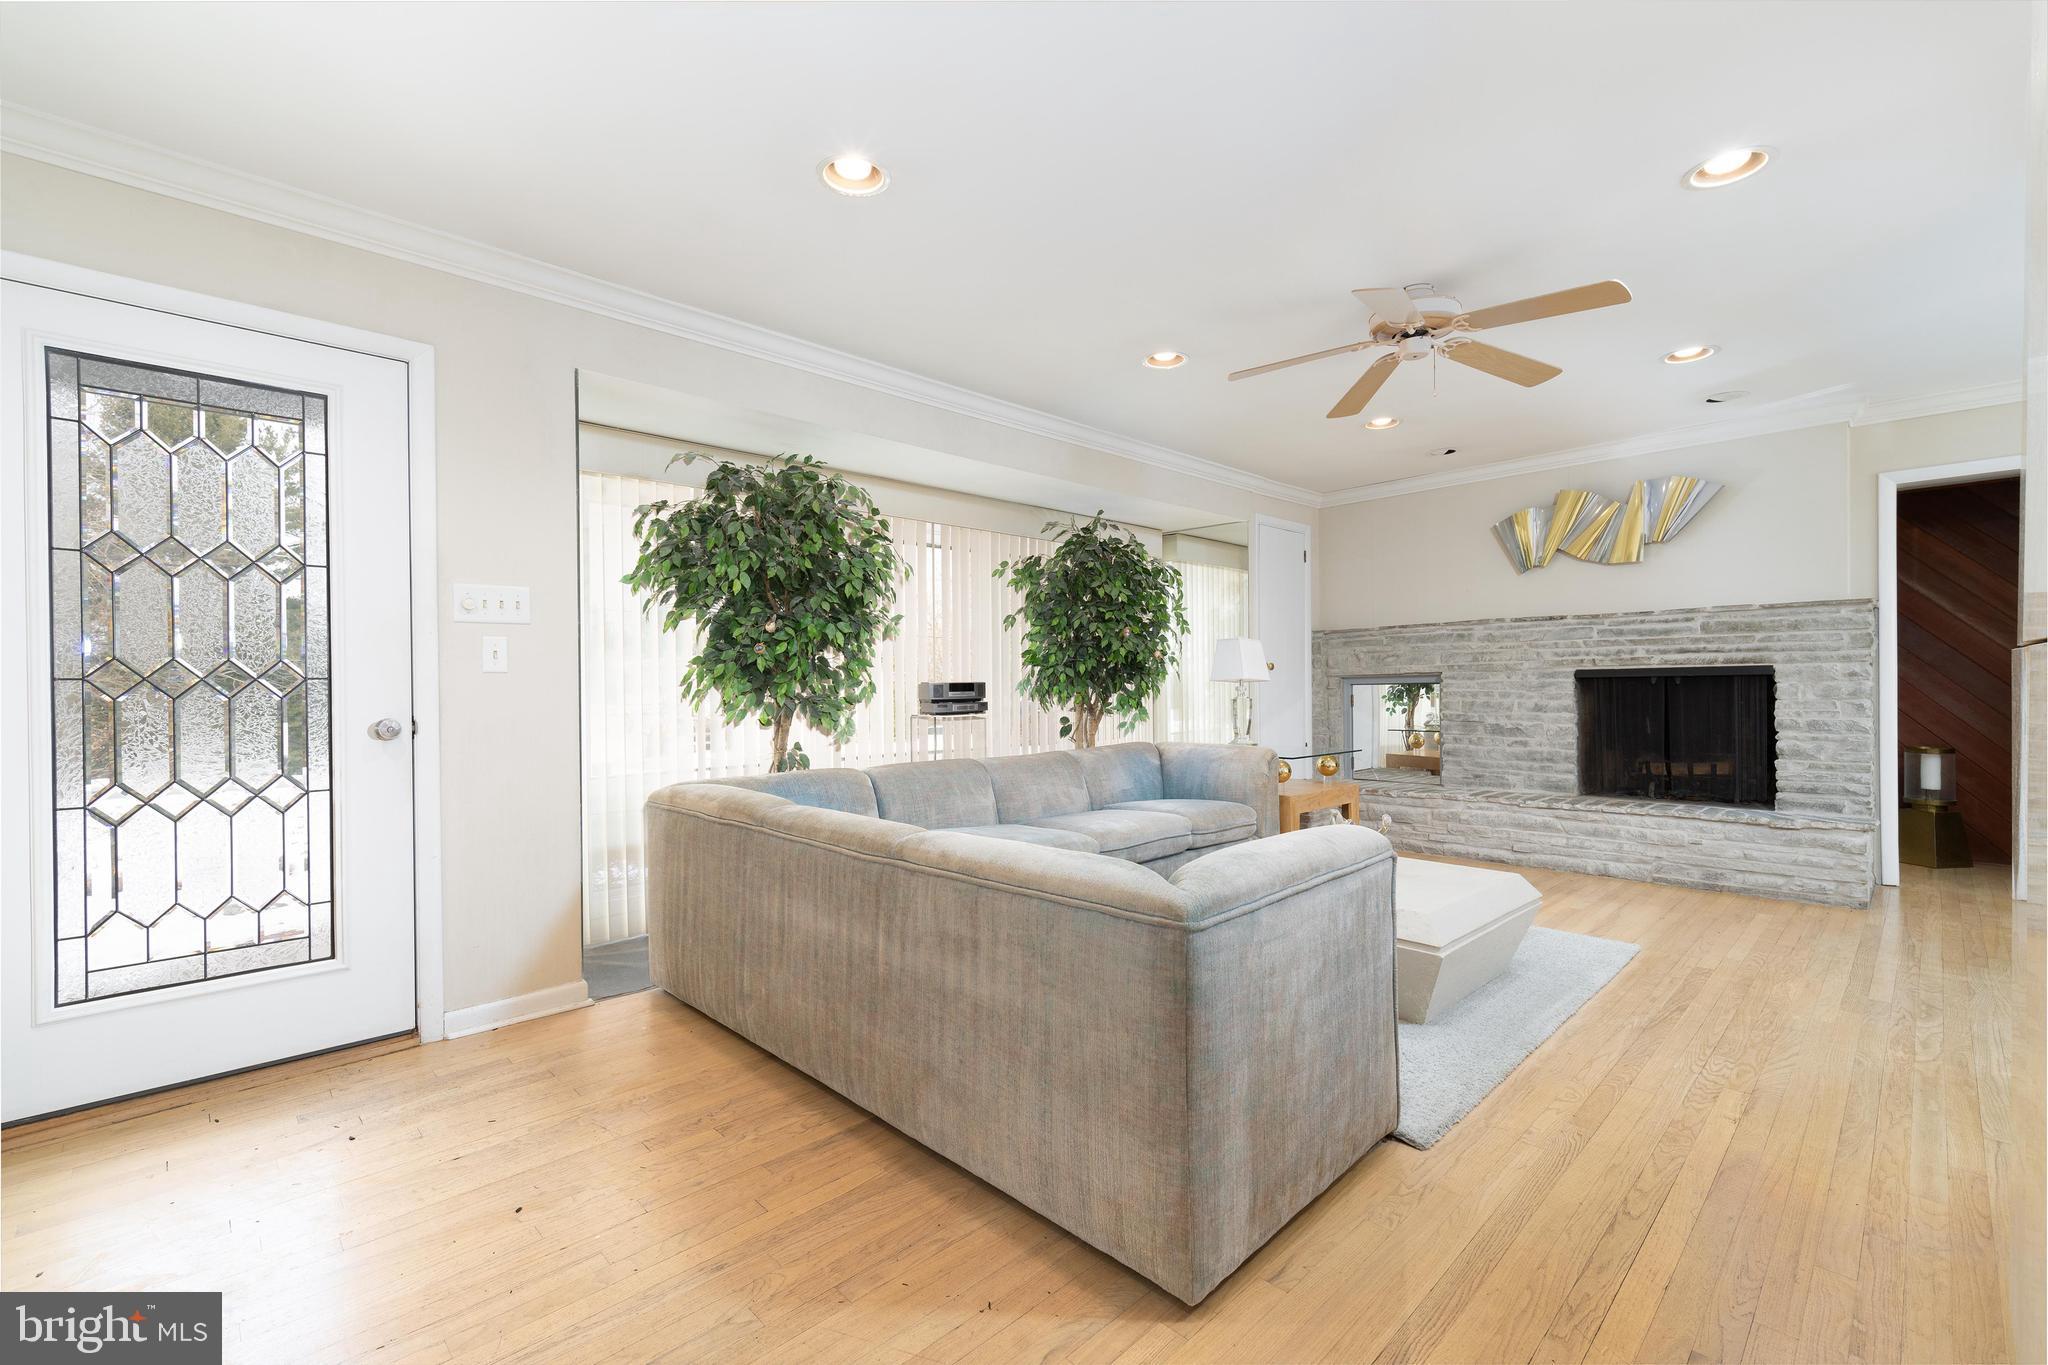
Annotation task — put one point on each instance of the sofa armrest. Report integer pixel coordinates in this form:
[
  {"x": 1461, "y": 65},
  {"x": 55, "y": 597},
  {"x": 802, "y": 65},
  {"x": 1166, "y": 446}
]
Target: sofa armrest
[
  {"x": 1292, "y": 1066},
  {"x": 1246, "y": 773}
]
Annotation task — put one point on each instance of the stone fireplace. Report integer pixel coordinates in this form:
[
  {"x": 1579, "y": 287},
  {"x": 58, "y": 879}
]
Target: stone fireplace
[{"x": 1732, "y": 748}]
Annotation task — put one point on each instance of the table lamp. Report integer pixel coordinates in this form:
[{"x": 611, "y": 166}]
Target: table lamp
[
  {"x": 1931, "y": 830},
  {"x": 1240, "y": 660}
]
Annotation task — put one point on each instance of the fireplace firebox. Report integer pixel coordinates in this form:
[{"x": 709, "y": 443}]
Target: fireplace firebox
[{"x": 1679, "y": 734}]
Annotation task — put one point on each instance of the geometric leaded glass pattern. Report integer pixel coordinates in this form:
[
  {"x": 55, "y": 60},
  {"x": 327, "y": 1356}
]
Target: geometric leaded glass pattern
[{"x": 189, "y": 667}]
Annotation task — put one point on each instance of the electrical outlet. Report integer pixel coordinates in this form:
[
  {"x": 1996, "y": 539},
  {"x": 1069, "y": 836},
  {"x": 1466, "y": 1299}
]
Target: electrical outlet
[
  {"x": 495, "y": 660},
  {"x": 492, "y": 602}
]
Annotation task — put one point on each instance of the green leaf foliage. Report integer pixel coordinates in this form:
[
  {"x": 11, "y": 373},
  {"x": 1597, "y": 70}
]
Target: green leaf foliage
[
  {"x": 790, "y": 575},
  {"x": 1103, "y": 621}
]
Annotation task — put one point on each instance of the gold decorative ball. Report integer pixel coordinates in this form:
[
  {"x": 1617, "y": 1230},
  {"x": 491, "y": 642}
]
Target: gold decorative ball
[
  {"x": 1327, "y": 765},
  {"x": 1415, "y": 742},
  {"x": 1286, "y": 771}
]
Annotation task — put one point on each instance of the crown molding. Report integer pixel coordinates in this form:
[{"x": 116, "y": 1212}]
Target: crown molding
[
  {"x": 92, "y": 151},
  {"x": 1932, "y": 404},
  {"x": 1833, "y": 407},
  {"x": 1678, "y": 438}
]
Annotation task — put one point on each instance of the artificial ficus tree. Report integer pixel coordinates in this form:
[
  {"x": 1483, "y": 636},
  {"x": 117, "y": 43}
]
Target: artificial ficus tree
[
  {"x": 790, "y": 574},
  {"x": 1103, "y": 620}
]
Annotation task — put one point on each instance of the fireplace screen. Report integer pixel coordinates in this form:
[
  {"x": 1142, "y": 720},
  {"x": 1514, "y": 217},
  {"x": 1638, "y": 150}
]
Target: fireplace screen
[{"x": 1680, "y": 734}]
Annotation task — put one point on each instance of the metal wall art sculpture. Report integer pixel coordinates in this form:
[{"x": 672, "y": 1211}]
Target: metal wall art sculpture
[{"x": 1600, "y": 530}]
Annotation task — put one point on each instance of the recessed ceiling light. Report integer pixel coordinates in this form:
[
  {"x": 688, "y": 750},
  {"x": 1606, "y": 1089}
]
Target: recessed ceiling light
[
  {"x": 1442, "y": 451},
  {"x": 1725, "y": 168},
  {"x": 1165, "y": 360},
  {"x": 1685, "y": 355},
  {"x": 1728, "y": 396},
  {"x": 855, "y": 175},
  {"x": 1382, "y": 423}
]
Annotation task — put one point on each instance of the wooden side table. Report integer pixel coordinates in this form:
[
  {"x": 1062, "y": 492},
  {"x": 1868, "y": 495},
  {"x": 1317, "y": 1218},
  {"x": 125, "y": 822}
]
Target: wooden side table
[{"x": 1303, "y": 794}]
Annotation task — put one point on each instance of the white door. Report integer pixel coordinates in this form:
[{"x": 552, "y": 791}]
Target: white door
[
  {"x": 209, "y": 849},
  {"x": 1280, "y": 616}
]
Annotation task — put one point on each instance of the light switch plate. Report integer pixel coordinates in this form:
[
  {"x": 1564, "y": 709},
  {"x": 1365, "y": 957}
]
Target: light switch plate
[
  {"x": 495, "y": 660},
  {"x": 492, "y": 602}
]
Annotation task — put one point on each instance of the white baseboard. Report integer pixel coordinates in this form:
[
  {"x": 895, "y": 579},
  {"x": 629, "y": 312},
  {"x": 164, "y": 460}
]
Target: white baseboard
[{"x": 570, "y": 995}]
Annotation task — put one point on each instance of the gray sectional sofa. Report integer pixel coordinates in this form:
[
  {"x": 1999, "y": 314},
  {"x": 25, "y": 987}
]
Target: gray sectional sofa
[{"x": 1080, "y": 975}]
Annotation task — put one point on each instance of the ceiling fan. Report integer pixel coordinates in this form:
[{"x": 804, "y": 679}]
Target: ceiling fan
[{"x": 1417, "y": 321}]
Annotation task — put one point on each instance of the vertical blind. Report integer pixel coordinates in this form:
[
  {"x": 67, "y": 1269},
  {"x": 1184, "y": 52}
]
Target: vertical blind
[
  {"x": 639, "y": 735},
  {"x": 1197, "y": 709}
]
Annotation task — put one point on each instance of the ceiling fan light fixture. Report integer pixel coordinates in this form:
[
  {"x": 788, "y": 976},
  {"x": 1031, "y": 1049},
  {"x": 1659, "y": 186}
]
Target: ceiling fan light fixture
[
  {"x": 1165, "y": 360},
  {"x": 1725, "y": 168},
  {"x": 1382, "y": 423},
  {"x": 853, "y": 175},
  {"x": 1685, "y": 355}
]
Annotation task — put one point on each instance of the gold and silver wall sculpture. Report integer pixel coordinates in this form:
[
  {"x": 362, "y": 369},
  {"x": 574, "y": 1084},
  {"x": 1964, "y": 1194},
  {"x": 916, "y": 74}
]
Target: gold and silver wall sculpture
[{"x": 1600, "y": 530}]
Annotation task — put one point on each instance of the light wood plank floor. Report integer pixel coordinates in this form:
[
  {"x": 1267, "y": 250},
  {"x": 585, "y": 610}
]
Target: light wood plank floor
[{"x": 1783, "y": 1133}]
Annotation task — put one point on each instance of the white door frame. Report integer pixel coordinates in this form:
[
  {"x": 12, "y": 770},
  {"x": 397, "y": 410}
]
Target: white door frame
[
  {"x": 1888, "y": 485},
  {"x": 430, "y": 991},
  {"x": 1260, "y": 522}
]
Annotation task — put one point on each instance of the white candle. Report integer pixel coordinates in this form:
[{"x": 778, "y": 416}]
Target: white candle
[{"x": 1930, "y": 774}]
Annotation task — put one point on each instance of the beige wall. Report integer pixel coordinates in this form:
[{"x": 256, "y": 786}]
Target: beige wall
[
  {"x": 1948, "y": 438},
  {"x": 506, "y": 424},
  {"x": 1796, "y": 523}
]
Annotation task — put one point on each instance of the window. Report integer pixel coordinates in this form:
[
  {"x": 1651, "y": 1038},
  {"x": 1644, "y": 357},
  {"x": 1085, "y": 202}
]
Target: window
[
  {"x": 1195, "y": 708},
  {"x": 639, "y": 735},
  {"x": 1394, "y": 725}
]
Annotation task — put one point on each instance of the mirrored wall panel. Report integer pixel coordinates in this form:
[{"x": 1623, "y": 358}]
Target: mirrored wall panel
[{"x": 188, "y": 607}]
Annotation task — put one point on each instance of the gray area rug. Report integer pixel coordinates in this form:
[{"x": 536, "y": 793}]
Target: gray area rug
[
  {"x": 617, "y": 968},
  {"x": 1449, "y": 1066}
]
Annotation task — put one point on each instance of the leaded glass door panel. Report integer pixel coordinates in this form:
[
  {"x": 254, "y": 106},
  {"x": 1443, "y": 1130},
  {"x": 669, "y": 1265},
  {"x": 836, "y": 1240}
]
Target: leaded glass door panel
[{"x": 222, "y": 849}]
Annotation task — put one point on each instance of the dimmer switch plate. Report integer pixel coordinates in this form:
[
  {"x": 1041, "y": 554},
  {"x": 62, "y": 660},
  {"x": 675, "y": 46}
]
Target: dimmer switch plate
[{"x": 492, "y": 602}]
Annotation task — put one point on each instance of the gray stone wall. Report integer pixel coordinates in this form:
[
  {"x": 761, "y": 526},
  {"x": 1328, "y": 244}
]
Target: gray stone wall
[{"x": 1510, "y": 734}]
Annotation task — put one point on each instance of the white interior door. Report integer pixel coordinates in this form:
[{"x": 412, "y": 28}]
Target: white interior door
[
  {"x": 1280, "y": 622},
  {"x": 209, "y": 840}
]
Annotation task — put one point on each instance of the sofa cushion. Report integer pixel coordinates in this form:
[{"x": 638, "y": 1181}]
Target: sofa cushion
[
  {"x": 1137, "y": 835},
  {"x": 1032, "y": 834},
  {"x": 1028, "y": 786},
  {"x": 1212, "y": 822},
  {"x": 1120, "y": 772},
  {"x": 846, "y": 789},
  {"x": 943, "y": 795}
]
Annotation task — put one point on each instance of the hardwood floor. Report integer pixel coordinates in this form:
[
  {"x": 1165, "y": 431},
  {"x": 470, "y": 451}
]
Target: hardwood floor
[{"x": 1783, "y": 1133}]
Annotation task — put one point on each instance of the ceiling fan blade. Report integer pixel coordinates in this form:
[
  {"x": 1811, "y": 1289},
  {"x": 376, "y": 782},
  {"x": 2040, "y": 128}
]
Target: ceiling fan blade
[
  {"x": 1602, "y": 295},
  {"x": 1517, "y": 369},
  {"x": 1304, "y": 359},
  {"x": 1358, "y": 395},
  {"x": 1388, "y": 305}
]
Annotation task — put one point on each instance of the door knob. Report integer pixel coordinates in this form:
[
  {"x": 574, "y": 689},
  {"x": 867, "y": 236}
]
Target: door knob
[
  {"x": 387, "y": 729},
  {"x": 1269, "y": 665}
]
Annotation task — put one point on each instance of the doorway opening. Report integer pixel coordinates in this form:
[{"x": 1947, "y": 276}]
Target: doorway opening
[{"x": 1948, "y": 619}]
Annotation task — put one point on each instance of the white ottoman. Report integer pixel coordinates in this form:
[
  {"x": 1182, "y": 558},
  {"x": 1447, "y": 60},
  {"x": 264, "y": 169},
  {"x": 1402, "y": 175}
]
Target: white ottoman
[{"x": 1455, "y": 929}]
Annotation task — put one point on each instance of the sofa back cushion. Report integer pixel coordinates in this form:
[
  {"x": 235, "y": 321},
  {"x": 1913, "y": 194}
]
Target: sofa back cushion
[
  {"x": 845, "y": 789},
  {"x": 943, "y": 795},
  {"x": 1120, "y": 772},
  {"x": 1028, "y": 786}
]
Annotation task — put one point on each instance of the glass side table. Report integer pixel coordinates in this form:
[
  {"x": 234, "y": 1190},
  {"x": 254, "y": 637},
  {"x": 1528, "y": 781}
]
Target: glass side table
[{"x": 1322, "y": 791}]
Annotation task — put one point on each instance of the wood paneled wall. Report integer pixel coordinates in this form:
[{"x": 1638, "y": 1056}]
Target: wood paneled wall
[{"x": 1959, "y": 562}]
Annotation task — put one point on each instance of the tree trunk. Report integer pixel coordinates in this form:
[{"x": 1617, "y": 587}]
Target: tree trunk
[
  {"x": 782, "y": 719},
  {"x": 1087, "y": 720}
]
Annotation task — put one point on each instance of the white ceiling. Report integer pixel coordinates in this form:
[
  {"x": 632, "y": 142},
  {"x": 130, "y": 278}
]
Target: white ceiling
[{"x": 1077, "y": 185}]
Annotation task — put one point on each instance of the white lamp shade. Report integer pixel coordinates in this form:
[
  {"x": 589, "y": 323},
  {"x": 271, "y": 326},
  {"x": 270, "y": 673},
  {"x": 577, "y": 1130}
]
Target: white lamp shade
[{"x": 1239, "y": 658}]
